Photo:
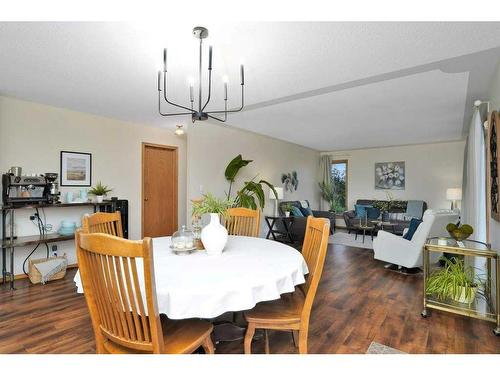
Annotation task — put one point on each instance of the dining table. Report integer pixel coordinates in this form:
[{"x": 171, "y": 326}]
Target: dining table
[{"x": 197, "y": 285}]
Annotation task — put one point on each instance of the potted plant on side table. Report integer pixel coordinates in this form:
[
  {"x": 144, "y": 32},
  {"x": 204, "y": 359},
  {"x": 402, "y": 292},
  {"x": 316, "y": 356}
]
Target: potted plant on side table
[
  {"x": 455, "y": 280},
  {"x": 99, "y": 191},
  {"x": 287, "y": 208},
  {"x": 214, "y": 235}
]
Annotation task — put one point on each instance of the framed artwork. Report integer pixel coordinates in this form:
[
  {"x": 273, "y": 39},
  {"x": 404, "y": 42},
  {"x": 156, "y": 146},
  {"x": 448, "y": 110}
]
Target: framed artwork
[
  {"x": 493, "y": 162},
  {"x": 390, "y": 175},
  {"x": 76, "y": 169}
]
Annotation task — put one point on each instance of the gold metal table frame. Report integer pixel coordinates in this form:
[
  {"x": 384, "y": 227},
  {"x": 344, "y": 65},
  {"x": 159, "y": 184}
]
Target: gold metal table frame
[{"x": 483, "y": 310}]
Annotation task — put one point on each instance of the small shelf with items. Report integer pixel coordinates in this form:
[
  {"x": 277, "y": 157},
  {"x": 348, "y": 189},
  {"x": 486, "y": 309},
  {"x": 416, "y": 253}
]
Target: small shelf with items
[{"x": 485, "y": 304}]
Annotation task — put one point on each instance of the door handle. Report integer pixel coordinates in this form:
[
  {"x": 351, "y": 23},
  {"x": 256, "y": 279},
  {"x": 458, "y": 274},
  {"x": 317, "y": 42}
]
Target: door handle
[{"x": 146, "y": 199}]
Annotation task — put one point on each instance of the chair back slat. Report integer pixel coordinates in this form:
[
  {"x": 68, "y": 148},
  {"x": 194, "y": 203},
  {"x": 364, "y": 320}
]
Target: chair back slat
[
  {"x": 103, "y": 222},
  {"x": 314, "y": 252},
  {"x": 242, "y": 222},
  {"x": 123, "y": 310}
]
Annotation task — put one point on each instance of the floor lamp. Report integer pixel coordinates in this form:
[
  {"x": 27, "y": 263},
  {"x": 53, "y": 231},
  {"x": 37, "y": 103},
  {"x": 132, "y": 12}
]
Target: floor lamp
[{"x": 279, "y": 191}]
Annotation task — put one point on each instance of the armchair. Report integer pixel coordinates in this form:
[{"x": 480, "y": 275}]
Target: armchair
[{"x": 399, "y": 251}]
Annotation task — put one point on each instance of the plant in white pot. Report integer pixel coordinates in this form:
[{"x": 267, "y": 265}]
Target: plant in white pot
[
  {"x": 287, "y": 208},
  {"x": 99, "y": 191},
  {"x": 455, "y": 280},
  {"x": 214, "y": 235}
]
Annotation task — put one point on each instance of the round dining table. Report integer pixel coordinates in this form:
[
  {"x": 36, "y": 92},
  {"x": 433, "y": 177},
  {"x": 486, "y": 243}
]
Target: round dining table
[{"x": 197, "y": 285}]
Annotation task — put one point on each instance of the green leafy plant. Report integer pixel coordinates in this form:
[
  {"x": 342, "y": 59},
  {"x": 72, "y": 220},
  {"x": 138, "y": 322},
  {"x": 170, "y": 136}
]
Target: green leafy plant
[
  {"x": 328, "y": 193},
  {"x": 252, "y": 192},
  {"x": 211, "y": 205},
  {"x": 99, "y": 189},
  {"x": 454, "y": 278},
  {"x": 287, "y": 207},
  {"x": 389, "y": 204}
]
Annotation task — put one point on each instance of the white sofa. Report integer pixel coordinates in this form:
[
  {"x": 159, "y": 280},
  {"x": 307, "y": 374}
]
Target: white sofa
[{"x": 396, "y": 250}]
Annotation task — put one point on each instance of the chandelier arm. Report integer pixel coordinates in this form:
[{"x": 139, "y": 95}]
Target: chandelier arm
[
  {"x": 234, "y": 110},
  {"x": 169, "y": 114},
  {"x": 165, "y": 95},
  {"x": 209, "y": 88},
  {"x": 218, "y": 119}
]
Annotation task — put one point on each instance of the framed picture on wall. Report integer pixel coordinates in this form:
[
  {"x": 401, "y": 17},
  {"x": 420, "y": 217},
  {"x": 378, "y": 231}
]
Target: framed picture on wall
[
  {"x": 493, "y": 162},
  {"x": 390, "y": 175},
  {"x": 76, "y": 168}
]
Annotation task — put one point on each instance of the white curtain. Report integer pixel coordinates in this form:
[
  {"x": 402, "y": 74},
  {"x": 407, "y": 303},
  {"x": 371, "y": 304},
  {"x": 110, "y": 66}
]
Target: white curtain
[
  {"x": 325, "y": 168},
  {"x": 474, "y": 185},
  {"x": 474, "y": 181}
]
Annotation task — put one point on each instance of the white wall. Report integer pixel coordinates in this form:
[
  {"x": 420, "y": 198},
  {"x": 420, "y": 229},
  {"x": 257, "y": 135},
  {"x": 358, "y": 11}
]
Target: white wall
[
  {"x": 211, "y": 147},
  {"x": 32, "y": 135},
  {"x": 430, "y": 170}
]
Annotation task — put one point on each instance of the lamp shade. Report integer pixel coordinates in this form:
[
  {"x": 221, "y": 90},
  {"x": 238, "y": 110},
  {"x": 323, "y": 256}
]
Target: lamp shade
[
  {"x": 454, "y": 194},
  {"x": 279, "y": 191}
]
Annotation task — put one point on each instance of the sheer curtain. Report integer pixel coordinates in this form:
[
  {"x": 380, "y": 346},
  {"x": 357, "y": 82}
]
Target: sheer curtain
[
  {"x": 325, "y": 166},
  {"x": 474, "y": 180}
]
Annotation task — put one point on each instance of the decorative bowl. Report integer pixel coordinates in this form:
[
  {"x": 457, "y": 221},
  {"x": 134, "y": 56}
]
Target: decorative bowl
[{"x": 459, "y": 233}]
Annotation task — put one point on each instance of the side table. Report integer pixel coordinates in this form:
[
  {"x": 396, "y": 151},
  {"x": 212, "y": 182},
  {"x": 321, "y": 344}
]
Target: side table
[{"x": 282, "y": 235}]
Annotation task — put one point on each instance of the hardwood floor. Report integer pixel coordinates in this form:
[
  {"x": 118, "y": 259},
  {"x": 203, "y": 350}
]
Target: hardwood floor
[{"x": 358, "y": 302}]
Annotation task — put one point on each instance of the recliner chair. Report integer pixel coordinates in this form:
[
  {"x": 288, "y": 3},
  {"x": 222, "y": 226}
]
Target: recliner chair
[{"x": 399, "y": 251}]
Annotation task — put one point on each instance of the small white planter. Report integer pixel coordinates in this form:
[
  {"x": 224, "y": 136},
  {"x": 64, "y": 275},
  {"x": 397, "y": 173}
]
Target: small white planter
[
  {"x": 214, "y": 236},
  {"x": 287, "y": 214},
  {"x": 463, "y": 298},
  {"x": 99, "y": 198}
]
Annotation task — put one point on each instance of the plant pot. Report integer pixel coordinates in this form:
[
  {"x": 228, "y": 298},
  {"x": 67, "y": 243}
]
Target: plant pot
[
  {"x": 214, "y": 236},
  {"x": 465, "y": 295},
  {"x": 99, "y": 198},
  {"x": 287, "y": 214}
]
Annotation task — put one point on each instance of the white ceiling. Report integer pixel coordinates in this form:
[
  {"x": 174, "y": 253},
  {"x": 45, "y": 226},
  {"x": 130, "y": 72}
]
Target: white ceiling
[{"x": 322, "y": 85}]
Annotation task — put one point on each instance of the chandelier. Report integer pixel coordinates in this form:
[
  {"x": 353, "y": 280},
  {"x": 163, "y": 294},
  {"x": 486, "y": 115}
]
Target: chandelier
[{"x": 198, "y": 112}]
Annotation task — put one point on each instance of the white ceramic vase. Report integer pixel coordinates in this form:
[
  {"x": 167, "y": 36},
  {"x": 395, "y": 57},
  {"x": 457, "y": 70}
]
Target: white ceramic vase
[
  {"x": 99, "y": 198},
  {"x": 214, "y": 236}
]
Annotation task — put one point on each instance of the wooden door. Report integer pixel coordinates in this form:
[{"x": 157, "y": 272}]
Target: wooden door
[{"x": 159, "y": 190}]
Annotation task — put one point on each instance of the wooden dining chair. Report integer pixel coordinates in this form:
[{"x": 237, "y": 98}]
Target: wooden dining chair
[
  {"x": 292, "y": 312},
  {"x": 124, "y": 315},
  {"x": 103, "y": 222},
  {"x": 242, "y": 221}
]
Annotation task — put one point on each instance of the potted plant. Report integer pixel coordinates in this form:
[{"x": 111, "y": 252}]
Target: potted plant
[
  {"x": 455, "y": 280},
  {"x": 287, "y": 208},
  {"x": 252, "y": 192},
  {"x": 328, "y": 194},
  {"x": 214, "y": 235},
  {"x": 99, "y": 191}
]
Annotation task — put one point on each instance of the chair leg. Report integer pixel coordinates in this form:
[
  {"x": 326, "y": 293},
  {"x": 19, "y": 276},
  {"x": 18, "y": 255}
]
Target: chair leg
[
  {"x": 249, "y": 337},
  {"x": 295, "y": 337},
  {"x": 208, "y": 345},
  {"x": 266, "y": 342},
  {"x": 303, "y": 341}
]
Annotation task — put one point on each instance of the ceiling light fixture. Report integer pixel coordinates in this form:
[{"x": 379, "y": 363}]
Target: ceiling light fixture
[
  {"x": 179, "y": 130},
  {"x": 200, "y": 114}
]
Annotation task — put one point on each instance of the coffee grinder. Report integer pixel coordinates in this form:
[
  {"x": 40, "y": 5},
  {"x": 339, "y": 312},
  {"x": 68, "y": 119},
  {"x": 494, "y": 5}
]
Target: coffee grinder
[{"x": 52, "y": 188}]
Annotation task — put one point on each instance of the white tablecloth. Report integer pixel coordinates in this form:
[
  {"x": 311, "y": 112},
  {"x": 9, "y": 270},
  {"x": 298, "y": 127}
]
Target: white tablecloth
[{"x": 250, "y": 270}]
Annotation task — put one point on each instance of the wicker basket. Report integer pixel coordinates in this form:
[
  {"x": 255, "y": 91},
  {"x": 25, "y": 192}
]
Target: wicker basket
[{"x": 36, "y": 277}]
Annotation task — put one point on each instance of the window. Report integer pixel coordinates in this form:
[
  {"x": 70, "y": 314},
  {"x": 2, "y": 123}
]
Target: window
[{"x": 339, "y": 181}]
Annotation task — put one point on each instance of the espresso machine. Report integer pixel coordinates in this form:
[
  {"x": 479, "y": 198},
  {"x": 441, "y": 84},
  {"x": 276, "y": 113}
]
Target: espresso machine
[
  {"x": 18, "y": 190},
  {"x": 52, "y": 188}
]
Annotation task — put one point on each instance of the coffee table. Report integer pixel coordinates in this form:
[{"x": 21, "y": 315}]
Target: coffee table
[{"x": 364, "y": 228}]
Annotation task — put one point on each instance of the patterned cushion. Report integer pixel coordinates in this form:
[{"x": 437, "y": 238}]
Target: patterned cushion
[
  {"x": 296, "y": 212},
  {"x": 306, "y": 211}
]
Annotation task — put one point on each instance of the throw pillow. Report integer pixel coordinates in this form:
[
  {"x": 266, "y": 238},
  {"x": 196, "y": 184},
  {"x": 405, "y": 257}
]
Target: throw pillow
[
  {"x": 296, "y": 212},
  {"x": 306, "y": 211},
  {"x": 360, "y": 210},
  {"x": 414, "y": 223},
  {"x": 372, "y": 213}
]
